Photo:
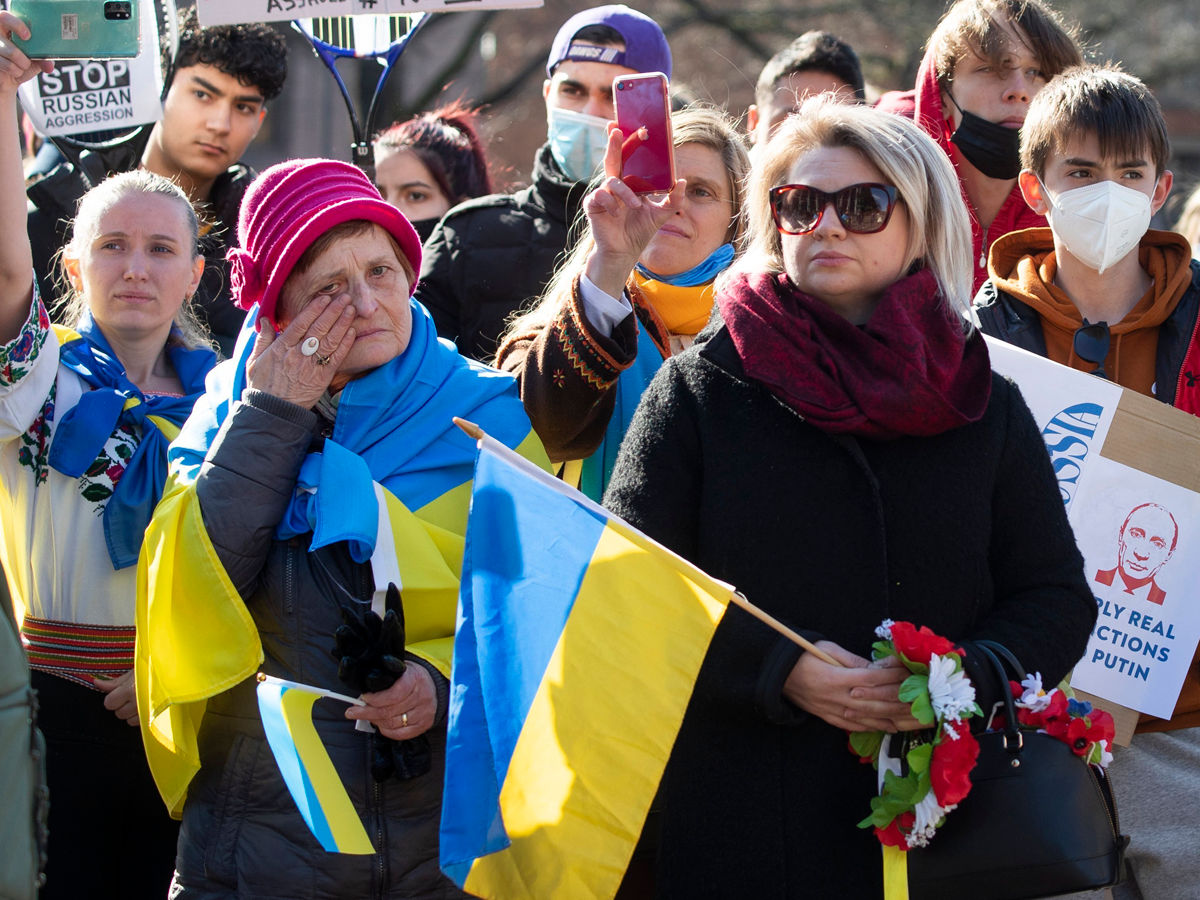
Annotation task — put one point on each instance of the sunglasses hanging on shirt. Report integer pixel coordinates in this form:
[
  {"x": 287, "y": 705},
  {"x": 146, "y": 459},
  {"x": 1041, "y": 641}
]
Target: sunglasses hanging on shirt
[{"x": 1091, "y": 344}]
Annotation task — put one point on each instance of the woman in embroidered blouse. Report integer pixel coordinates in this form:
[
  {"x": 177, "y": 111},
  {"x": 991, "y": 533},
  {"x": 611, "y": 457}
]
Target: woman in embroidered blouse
[
  {"x": 636, "y": 289},
  {"x": 838, "y": 448},
  {"x": 86, "y": 414}
]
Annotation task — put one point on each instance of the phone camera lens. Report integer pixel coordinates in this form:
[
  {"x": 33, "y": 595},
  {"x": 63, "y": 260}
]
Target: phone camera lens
[{"x": 117, "y": 10}]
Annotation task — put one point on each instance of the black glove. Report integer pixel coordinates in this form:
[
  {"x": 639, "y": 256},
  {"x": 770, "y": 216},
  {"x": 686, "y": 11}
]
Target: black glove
[{"x": 370, "y": 655}]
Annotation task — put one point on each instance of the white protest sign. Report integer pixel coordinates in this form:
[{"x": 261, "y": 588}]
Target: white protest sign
[
  {"x": 84, "y": 95},
  {"x": 236, "y": 12},
  {"x": 1123, "y": 470},
  {"x": 1140, "y": 538},
  {"x": 1074, "y": 410}
]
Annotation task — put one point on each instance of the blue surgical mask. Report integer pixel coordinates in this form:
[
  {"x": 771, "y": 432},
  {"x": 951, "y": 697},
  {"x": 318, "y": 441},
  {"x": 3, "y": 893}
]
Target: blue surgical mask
[{"x": 577, "y": 142}]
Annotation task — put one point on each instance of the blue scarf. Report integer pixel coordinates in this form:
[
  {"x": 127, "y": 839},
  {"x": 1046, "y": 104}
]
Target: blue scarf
[
  {"x": 702, "y": 273},
  {"x": 393, "y": 425},
  {"x": 115, "y": 400},
  {"x": 631, "y": 384}
]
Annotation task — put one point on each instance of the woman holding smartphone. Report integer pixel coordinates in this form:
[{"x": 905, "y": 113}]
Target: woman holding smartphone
[
  {"x": 86, "y": 414},
  {"x": 636, "y": 289},
  {"x": 837, "y": 447}
]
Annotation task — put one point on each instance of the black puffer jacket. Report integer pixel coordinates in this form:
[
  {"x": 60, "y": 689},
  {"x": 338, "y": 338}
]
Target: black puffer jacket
[
  {"x": 963, "y": 532},
  {"x": 52, "y": 204},
  {"x": 494, "y": 255},
  {"x": 242, "y": 835}
]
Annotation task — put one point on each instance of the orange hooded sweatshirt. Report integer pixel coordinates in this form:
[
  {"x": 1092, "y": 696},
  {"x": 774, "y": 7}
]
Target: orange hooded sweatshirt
[{"x": 1023, "y": 265}]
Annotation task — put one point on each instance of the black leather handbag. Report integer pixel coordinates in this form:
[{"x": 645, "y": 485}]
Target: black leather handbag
[{"x": 1039, "y": 821}]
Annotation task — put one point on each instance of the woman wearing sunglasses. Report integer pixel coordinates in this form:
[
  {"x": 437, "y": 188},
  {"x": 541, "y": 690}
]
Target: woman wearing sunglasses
[{"x": 839, "y": 450}]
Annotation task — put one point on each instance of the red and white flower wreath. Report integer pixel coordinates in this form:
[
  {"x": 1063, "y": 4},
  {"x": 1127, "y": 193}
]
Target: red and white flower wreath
[{"x": 934, "y": 776}]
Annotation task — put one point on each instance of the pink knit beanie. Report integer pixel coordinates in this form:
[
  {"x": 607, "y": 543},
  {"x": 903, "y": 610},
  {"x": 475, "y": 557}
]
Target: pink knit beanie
[{"x": 287, "y": 208}]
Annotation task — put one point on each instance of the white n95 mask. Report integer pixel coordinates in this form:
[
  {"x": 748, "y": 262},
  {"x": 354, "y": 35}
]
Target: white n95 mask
[
  {"x": 577, "y": 142},
  {"x": 1100, "y": 223}
]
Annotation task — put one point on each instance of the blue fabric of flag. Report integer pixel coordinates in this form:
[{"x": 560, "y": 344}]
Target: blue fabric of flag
[
  {"x": 85, "y": 428},
  {"x": 546, "y": 543}
]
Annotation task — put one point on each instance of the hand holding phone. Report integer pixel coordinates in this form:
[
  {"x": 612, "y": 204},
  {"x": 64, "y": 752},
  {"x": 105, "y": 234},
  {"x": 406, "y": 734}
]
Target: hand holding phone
[
  {"x": 644, "y": 118},
  {"x": 79, "y": 29},
  {"x": 15, "y": 66}
]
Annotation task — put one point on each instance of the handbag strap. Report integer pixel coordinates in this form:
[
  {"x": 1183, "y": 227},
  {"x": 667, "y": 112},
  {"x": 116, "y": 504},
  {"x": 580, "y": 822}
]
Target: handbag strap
[
  {"x": 1012, "y": 734},
  {"x": 1005, "y": 654}
]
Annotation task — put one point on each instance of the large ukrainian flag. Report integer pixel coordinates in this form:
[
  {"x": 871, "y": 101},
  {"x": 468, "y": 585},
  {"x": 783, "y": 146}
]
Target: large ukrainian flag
[
  {"x": 395, "y": 476},
  {"x": 578, "y": 643}
]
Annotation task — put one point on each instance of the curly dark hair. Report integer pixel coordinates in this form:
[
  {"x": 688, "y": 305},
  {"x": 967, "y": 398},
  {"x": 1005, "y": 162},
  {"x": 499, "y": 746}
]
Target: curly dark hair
[{"x": 254, "y": 54}]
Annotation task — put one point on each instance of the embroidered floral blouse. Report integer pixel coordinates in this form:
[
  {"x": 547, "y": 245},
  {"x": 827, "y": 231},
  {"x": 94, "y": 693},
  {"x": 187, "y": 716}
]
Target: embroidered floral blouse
[{"x": 51, "y": 532}]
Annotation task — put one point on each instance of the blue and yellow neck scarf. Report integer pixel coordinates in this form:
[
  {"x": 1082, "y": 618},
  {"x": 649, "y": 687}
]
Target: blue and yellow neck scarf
[
  {"x": 393, "y": 427},
  {"x": 115, "y": 400},
  {"x": 397, "y": 420}
]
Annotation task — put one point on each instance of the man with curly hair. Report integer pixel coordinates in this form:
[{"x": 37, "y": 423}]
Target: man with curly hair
[{"x": 222, "y": 77}]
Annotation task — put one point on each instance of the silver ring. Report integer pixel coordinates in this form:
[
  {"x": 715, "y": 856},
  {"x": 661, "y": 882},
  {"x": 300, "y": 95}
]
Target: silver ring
[
  {"x": 403, "y": 720},
  {"x": 310, "y": 346}
]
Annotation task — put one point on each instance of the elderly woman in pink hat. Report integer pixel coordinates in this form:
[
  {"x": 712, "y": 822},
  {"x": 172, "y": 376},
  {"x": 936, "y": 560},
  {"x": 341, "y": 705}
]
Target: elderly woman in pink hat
[{"x": 312, "y": 529}]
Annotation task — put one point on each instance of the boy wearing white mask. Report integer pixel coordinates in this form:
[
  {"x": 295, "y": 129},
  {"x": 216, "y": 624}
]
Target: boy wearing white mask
[
  {"x": 493, "y": 255},
  {"x": 1099, "y": 292}
]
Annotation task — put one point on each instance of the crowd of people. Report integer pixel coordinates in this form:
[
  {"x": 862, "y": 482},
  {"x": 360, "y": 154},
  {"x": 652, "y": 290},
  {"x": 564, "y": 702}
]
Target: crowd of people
[{"x": 212, "y": 378}]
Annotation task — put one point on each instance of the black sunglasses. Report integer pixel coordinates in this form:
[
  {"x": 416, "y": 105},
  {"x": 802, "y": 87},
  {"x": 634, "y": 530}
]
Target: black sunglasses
[
  {"x": 1091, "y": 344},
  {"x": 861, "y": 208}
]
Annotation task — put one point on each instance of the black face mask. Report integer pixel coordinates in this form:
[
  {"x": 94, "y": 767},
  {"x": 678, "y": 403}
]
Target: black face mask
[
  {"x": 424, "y": 227},
  {"x": 993, "y": 149}
]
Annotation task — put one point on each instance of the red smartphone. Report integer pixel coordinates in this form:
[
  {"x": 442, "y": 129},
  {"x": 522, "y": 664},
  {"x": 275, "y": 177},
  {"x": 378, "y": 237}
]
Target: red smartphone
[{"x": 648, "y": 161}]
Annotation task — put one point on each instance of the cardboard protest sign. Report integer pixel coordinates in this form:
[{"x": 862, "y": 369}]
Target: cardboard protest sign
[
  {"x": 85, "y": 95},
  {"x": 1139, "y": 540},
  {"x": 236, "y": 12},
  {"x": 1128, "y": 468}
]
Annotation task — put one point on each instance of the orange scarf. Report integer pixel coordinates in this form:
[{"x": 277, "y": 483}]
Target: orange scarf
[{"x": 683, "y": 310}]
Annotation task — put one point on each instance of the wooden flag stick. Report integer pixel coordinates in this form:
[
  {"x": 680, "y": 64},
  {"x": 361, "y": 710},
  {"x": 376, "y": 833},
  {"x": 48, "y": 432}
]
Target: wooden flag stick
[
  {"x": 473, "y": 431},
  {"x": 766, "y": 618},
  {"x": 477, "y": 433}
]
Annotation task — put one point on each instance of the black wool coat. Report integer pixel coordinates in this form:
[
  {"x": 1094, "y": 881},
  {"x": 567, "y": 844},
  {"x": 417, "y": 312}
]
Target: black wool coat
[{"x": 963, "y": 532}]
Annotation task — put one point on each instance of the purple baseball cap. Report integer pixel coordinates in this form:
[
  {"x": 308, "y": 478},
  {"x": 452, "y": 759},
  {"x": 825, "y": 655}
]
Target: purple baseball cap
[{"x": 645, "y": 50}]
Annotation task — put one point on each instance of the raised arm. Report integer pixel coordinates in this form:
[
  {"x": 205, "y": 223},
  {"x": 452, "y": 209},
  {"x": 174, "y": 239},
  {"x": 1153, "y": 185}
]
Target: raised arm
[
  {"x": 16, "y": 259},
  {"x": 621, "y": 222}
]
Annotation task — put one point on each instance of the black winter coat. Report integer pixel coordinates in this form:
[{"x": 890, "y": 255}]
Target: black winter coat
[
  {"x": 242, "y": 835},
  {"x": 494, "y": 255},
  {"x": 963, "y": 532}
]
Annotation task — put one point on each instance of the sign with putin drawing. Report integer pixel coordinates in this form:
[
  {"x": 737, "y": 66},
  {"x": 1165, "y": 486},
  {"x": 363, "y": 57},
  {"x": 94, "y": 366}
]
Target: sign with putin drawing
[{"x": 1128, "y": 470}]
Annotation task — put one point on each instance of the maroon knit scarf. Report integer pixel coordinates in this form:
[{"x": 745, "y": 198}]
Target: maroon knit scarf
[{"x": 909, "y": 371}]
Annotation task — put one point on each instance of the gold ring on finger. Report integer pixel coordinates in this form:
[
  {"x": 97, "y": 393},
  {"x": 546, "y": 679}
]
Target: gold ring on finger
[
  {"x": 403, "y": 720},
  {"x": 323, "y": 360}
]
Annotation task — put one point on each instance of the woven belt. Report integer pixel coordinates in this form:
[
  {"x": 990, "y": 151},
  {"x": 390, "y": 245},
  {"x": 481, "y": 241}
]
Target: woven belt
[{"x": 76, "y": 651}]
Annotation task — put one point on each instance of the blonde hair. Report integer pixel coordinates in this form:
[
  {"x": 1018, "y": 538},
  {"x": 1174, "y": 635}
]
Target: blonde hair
[
  {"x": 939, "y": 236},
  {"x": 92, "y": 208},
  {"x": 1189, "y": 221},
  {"x": 706, "y": 126}
]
